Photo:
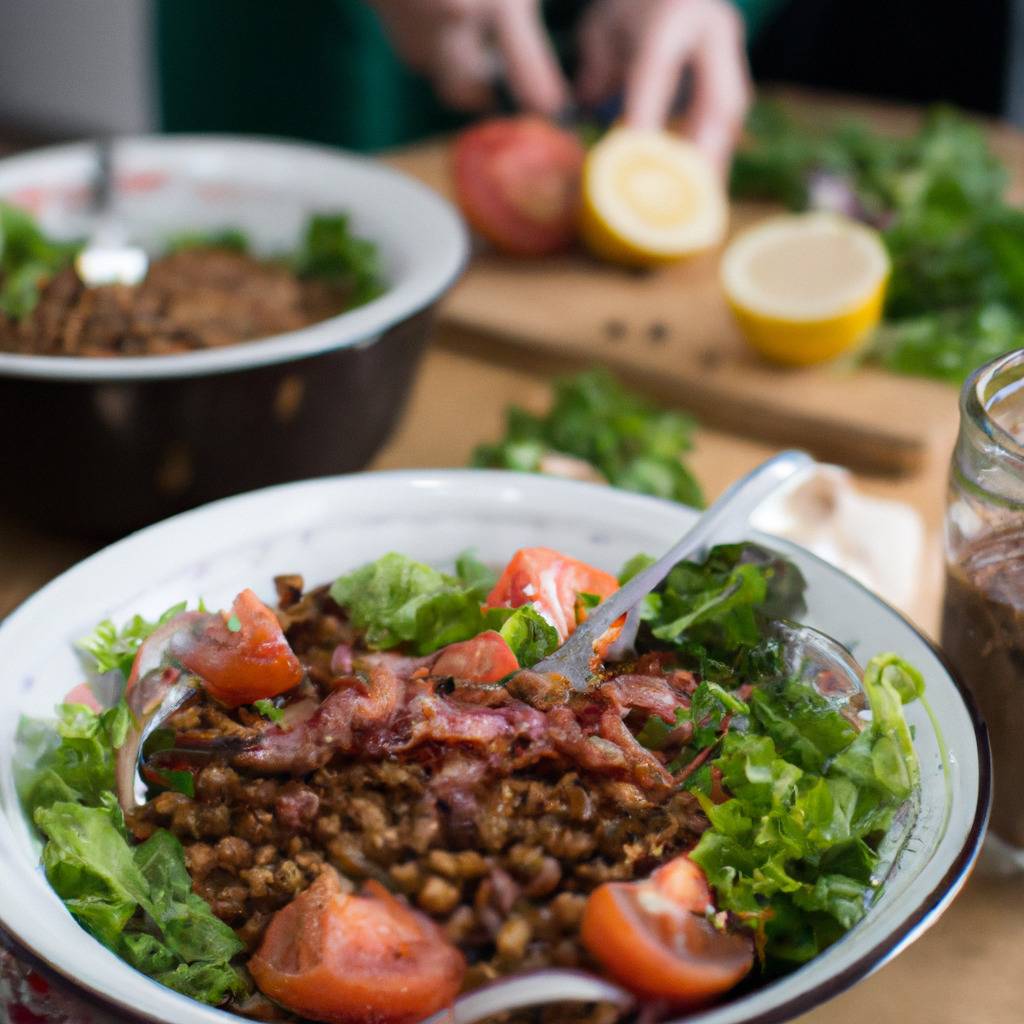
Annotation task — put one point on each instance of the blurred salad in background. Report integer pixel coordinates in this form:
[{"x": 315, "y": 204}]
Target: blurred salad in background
[{"x": 956, "y": 295}]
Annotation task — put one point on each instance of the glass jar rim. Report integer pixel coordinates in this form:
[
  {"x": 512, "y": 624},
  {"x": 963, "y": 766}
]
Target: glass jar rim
[{"x": 977, "y": 397}]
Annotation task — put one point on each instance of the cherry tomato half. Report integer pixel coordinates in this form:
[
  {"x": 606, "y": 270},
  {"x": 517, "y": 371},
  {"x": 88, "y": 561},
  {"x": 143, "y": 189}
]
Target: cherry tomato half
[
  {"x": 243, "y": 656},
  {"x": 367, "y": 959},
  {"x": 552, "y": 582},
  {"x": 651, "y": 938}
]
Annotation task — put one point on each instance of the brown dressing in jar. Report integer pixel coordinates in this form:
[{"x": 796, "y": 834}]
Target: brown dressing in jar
[{"x": 983, "y": 635}]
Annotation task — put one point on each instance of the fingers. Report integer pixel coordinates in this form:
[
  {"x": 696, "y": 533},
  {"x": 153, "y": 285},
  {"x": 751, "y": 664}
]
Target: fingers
[
  {"x": 665, "y": 48},
  {"x": 600, "y": 71},
  {"x": 721, "y": 86},
  {"x": 531, "y": 67},
  {"x": 462, "y": 65}
]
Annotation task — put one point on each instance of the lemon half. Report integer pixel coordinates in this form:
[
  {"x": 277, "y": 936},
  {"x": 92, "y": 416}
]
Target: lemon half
[
  {"x": 806, "y": 287},
  {"x": 649, "y": 198}
]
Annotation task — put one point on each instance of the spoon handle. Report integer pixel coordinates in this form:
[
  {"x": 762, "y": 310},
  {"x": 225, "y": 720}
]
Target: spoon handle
[{"x": 730, "y": 512}]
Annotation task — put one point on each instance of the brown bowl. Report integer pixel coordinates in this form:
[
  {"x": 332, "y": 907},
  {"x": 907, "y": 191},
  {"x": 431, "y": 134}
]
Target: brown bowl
[{"x": 99, "y": 447}]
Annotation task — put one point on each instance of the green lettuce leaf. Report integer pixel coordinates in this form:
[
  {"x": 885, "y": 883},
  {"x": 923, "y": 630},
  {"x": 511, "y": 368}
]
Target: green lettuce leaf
[
  {"x": 793, "y": 851},
  {"x": 530, "y": 635},
  {"x": 398, "y": 600},
  {"x": 113, "y": 649}
]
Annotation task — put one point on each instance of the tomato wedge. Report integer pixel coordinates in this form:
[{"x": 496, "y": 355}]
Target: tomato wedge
[
  {"x": 652, "y": 938},
  {"x": 243, "y": 656},
  {"x": 517, "y": 181},
  {"x": 484, "y": 659},
  {"x": 551, "y": 582},
  {"x": 367, "y": 959}
]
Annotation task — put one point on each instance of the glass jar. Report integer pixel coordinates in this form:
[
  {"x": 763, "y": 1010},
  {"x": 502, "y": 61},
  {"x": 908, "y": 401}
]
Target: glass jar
[{"x": 983, "y": 610}]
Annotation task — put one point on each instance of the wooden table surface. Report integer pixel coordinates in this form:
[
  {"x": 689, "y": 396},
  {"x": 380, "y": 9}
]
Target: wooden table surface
[{"x": 948, "y": 976}]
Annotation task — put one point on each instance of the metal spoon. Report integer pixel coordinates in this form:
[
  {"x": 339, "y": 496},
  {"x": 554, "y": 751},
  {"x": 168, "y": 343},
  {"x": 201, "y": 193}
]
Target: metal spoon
[
  {"x": 728, "y": 516},
  {"x": 108, "y": 256}
]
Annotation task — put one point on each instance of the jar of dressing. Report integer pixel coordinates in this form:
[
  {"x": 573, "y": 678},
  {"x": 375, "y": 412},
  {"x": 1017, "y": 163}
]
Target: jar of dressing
[{"x": 983, "y": 610}]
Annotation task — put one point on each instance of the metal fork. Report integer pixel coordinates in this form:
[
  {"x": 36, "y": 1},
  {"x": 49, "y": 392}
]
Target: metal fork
[{"x": 728, "y": 516}]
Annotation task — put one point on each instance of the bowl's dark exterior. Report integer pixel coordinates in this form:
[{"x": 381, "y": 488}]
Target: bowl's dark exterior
[{"x": 102, "y": 458}]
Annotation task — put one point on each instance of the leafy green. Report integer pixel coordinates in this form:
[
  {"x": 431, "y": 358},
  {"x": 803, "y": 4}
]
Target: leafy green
[
  {"x": 113, "y": 649},
  {"x": 329, "y": 250},
  {"x": 268, "y": 709},
  {"x": 71, "y": 760},
  {"x": 713, "y": 611},
  {"x": 27, "y": 260},
  {"x": 398, "y": 600},
  {"x": 530, "y": 636},
  {"x": 138, "y": 901},
  {"x": 632, "y": 444},
  {"x": 793, "y": 851},
  {"x": 956, "y": 293}
]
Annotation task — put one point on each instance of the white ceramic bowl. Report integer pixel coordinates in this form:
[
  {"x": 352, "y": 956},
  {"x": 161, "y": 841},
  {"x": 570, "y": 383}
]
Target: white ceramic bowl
[
  {"x": 321, "y": 528},
  {"x": 166, "y": 433}
]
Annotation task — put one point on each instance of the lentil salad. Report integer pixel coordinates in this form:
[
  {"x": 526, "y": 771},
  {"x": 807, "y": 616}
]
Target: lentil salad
[{"x": 378, "y": 751}]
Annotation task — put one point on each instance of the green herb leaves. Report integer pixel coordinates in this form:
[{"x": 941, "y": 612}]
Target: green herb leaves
[
  {"x": 27, "y": 260},
  {"x": 956, "y": 294},
  {"x": 113, "y": 649},
  {"x": 138, "y": 901},
  {"x": 794, "y": 850},
  {"x": 330, "y": 250},
  {"x": 713, "y": 611},
  {"x": 632, "y": 444}
]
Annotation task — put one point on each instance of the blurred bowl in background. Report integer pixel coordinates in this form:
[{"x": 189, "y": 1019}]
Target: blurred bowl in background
[{"x": 99, "y": 447}]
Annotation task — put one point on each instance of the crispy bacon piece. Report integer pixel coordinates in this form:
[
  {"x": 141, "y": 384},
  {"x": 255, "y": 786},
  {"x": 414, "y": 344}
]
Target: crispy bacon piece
[{"x": 352, "y": 713}]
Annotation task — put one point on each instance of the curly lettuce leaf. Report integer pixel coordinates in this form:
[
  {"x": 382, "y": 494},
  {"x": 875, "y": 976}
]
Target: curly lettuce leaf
[
  {"x": 113, "y": 649},
  {"x": 793, "y": 852},
  {"x": 398, "y": 600},
  {"x": 713, "y": 612}
]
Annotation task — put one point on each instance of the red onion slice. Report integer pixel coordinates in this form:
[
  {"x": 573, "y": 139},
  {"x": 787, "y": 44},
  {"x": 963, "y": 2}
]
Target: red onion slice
[{"x": 534, "y": 988}]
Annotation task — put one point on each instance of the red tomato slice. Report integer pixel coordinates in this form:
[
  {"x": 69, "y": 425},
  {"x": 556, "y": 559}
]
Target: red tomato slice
[
  {"x": 551, "y": 581},
  {"x": 367, "y": 959},
  {"x": 659, "y": 947},
  {"x": 238, "y": 666},
  {"x": 517, "y": 181},
  {"x": 484, "y": 659}
]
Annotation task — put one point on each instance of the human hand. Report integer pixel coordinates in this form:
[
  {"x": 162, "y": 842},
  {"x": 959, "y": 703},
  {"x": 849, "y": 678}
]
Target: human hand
[
  {"x": 458, "y": 43},
  {"x": 645, "y": 47}
]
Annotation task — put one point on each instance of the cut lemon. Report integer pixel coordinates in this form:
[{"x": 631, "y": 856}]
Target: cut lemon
[
  {"x": 806, "y": 287},
  {"x": 650, "y": 198}
]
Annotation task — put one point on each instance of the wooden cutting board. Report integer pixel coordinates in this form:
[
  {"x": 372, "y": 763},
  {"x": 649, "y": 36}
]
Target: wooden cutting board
[{"x": 670, "y": 331}]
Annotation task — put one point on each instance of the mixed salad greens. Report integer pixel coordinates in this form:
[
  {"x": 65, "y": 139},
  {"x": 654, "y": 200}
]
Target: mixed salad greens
[
  {"x": 626, "y": 440},
  {"x": 327, "y": 250},
  {"x": 799, "y": 792},
  {"x": 956, "y": 295}
]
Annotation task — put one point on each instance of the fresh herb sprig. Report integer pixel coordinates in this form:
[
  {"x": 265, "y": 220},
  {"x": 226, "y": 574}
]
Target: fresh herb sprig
[
  {"x": 956, "y": 293},
  {"x": 627, "y": 440}
]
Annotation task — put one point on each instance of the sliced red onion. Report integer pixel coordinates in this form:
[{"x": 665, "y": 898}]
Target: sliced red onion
[
  {"x": 535, "y": 988},
  {"x": 341, "y": 660}
]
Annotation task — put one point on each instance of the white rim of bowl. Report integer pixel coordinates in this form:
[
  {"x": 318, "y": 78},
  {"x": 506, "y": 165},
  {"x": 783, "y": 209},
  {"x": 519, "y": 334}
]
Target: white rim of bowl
[
  {"x": 363, "y": 325},
  {"x": 930, "y": 906}
]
